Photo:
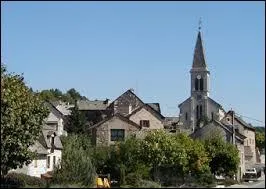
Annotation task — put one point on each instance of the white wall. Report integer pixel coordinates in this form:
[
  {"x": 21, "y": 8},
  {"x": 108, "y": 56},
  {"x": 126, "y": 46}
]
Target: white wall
[{"x": 57, "y": 154}]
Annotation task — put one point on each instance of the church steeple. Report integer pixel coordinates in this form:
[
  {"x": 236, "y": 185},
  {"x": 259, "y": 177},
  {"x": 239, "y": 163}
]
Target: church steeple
[
  {"x": 199, "y": 71},
  {"x": 199, "y": 60}
]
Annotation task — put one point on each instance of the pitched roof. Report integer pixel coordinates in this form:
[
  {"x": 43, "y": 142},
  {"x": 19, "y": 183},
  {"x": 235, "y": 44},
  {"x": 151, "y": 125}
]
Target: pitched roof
[
  {"x": 51, "y": 107},
  {"x": 155, "y": 106},
  {"x": 249, "y": 126},
  {"x": 92, "y": 105},
  {"x": 46, "y": 143},
  {"x": 128, "y": 91},
  {"x": 121, "y": 117},
  {"x": 149, "y": 109},
  {"x": 199, "y": 60},
  {"x": 227, "y": 128},
  {"x": 184, "y": 101},
  {"x": 39, "y": 148}
]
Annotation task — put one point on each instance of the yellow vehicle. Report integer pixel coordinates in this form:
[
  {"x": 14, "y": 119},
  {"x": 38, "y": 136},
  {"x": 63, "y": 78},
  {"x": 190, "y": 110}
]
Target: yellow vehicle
[{"x": 103, "y": 181}]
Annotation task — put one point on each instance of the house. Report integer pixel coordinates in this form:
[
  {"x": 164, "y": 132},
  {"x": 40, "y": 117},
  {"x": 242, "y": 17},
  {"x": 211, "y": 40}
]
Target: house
[
  {"x": 112, "y": 129},
  {"x": 228, "y": 134},
  {"x": 55, "y": 119},
  {"x": 249, "y": 132},
  {"x": 95, "y": 111},
  {"x": 126, "y": 115},
  {"x": 49, "y": 152}
]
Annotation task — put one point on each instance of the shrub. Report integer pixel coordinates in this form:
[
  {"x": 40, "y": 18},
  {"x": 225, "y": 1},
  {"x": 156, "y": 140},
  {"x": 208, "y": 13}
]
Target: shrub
[
  {"x": 205, "y": 179},
  {"x": 76, "y": 166},
  {"x": 21, "y": 180},
  {"x": 148, "y": 184}
]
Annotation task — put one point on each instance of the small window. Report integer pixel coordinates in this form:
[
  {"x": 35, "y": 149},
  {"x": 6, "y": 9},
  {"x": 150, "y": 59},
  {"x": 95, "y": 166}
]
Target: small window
[
  {"x": 117, "y": 134},
  {"x": 186, "y": 116},
  {"x": 212, "y": 115},
  {"x": 54, "y": 161},
  {"x": 144, "y": 123},
  {"x": 228, "y": 119},
  {"x": 201, "y": 84},
  {"x": 48, "y": 161},
  {"x": 35, "y": 163}
]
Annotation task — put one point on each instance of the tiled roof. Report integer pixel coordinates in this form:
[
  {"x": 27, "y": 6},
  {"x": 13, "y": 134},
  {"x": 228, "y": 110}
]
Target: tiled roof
[{"x": 92, "y": 105}]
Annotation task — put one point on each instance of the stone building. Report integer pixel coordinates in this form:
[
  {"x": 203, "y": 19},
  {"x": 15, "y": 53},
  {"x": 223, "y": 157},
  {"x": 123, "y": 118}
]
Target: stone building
[{"x": 199, "y": 105}]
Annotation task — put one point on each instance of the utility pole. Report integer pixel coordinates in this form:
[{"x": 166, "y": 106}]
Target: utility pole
[{"x": 233, "y": 127}]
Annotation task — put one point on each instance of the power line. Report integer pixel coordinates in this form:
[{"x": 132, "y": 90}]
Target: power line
[{"x": 250, "y": 118}]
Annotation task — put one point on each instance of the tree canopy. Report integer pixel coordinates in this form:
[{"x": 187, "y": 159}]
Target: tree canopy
[
  {"x": 55, "y": 94},
  {"x": 22, "y": 115}
]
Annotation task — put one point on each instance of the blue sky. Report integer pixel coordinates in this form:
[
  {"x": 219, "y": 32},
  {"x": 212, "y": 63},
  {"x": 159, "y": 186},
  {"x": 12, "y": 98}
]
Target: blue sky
[{"x": 104, "y": 48}]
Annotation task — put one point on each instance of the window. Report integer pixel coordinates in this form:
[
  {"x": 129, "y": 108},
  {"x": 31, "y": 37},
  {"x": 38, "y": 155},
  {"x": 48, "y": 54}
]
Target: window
[
  {"x": 35, "y": 163},
  {"x": 212, "y": 115},
  {"x": 144, "y": 123},
  {"x": 186, "y": 115},
  {"x": 200, "y": 111},
  {"x": 197, "y": 112},
  {"x": 54, "y": 158},
  {"x": 117, "y": 134},
  {"x": 201, "y": 84},
  {"x": 196, "y": 84},
  {"x": 48, "y": 161}
]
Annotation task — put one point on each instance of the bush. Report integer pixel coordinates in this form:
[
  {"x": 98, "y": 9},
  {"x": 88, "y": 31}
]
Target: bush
[
  {"x": 148, "y": 184},
  {"x": 205, "y": 179},
  {"x": 76, "y": 166},
  {"x": 229, "y": 181},
  {"x": 21, "y": 180}
]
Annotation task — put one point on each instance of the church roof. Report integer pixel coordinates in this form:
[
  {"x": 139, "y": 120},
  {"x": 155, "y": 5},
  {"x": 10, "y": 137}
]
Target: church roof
[{"x": 199, "y": 60}]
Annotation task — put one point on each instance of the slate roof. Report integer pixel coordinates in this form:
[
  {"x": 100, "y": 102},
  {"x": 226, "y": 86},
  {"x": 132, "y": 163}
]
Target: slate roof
[
  {"x": 128, "y": 91},
  {"x": 149, "y": 109},
  {"x": 51, "y": 107},
  {"x": 38, "y": 147},
  {"x": 111, "y": 117},
  {"x": 44, "y": 140},
  {"x": 199, "y": 60},
  {"x": 227, "y": 128},
  {"x": 92, "y": 105},
  {"x": 155, "y": 106}
]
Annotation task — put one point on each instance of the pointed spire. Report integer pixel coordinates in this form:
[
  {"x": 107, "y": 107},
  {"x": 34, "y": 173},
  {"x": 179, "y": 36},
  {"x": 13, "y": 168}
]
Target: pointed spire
[{"x": 199, "y": 60}]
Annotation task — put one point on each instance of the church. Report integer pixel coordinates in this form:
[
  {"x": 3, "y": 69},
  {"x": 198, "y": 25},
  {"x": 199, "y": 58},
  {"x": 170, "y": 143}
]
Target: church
[
  {"x": 201, "y": 116},
  {"x": 199, "y": 106}
]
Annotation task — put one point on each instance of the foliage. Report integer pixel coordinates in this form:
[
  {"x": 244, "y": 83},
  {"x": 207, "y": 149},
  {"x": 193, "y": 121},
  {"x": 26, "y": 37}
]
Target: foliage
[
  {"x": 260, "y": 139},
  {"x": 55, "y": 94},
  {"x": 76, "y": 122},
  {"x": 224, "y": 156},
  {"x": 76, "y": 166},
  {"x": 22, "y": 115},
  {"x": 18, "y": 180}
]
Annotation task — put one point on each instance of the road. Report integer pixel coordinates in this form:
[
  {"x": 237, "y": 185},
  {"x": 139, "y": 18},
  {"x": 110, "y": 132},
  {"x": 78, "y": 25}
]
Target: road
[{"x": 258, "y": 184}]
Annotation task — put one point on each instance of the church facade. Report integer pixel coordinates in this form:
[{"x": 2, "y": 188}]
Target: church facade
[{"x": 199, "y": 106}]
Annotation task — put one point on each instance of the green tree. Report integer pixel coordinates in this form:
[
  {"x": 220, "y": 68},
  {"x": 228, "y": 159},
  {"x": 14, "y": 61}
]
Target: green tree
[
  {"x": 22, "y": 115},
  {"x": 76, "y": 122},
  {"x": 260, "y": 140},
  {"x": 76, "y": 166},
  {"x": 224, "y": 156}
]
